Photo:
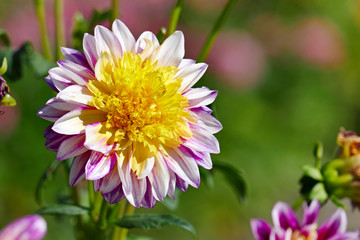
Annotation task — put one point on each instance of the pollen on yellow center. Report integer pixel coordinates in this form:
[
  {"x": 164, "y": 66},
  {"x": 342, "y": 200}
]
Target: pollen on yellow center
[
  {"x": 297, "y": 236},
  {"x": 142, "y": 103}
]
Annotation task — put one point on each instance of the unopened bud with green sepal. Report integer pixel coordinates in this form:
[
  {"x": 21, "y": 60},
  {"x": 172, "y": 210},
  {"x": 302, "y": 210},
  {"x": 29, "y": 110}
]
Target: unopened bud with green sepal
[
  {"x": 5, "y": 98},
  {"x": 338, "y": 178}
]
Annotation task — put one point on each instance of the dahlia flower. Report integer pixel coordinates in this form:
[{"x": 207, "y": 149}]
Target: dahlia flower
[
  {"x": 30, "y": 227},
  {"x": 125, "y": 110},
  {"x": 287, "y": 226}
]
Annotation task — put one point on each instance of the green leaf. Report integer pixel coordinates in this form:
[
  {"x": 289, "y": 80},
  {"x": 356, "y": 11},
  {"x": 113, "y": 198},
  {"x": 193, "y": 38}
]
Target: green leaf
[
  {"x": 147, "y": 221},
  {"x": 318, "y": 192},
  {"x": 25, "y": 57},
  {"x": 46, "y": 176},
  {"x": 312, "y": 172},
  {"x": 99, "y": 16},
  {"x": 62, "y": 209},
  {"x": 4, "y": 38},
  {"x": 80, "y": 28},
  {"x": 234, "y": 177}
]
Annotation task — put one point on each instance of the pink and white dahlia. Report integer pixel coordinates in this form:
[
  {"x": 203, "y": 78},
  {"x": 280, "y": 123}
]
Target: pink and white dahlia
[
  {"x": 30, "y": 227},
  {"x": 125, "y": 110},
  {"x": 288, "y": 227}
]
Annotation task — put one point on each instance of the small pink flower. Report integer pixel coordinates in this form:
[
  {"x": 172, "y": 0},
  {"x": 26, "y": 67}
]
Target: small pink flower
[
  {"x": 318, "y": 42},
  {"x": 30, "y": 227},
  {"x": 238, "y": 59},
  {"x": 288, "y": 227}
]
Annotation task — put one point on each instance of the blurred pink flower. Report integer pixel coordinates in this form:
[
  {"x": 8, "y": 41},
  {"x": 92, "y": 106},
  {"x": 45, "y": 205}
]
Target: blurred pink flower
[
  {"x": 318, "y": 42},
  {"x": 238, "y": 59},
  {"x": 30, "y": 227}
]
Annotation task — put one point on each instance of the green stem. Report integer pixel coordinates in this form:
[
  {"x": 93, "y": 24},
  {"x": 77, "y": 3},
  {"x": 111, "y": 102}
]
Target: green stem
[
  {"x": 129, "y": 210},
  {"x": 119, "y": 213},
  {"x": 215, "y": 30},
  {"x": 91, "y": 194},
  {"x": 102, "y": 222},
  {"x": 45, "y": 43},
  {"x": 114, "y": 9},
  {"x": 59, "y": 28},
  {"x": 96, "y": 206},
  {"x": 174, "y": 19},
  {"x": 124, "y": 209}
]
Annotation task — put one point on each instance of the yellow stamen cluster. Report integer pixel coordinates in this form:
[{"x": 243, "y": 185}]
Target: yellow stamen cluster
[
  {"x": 142, "y": 103},
  {"x": 297, "y": 236}
]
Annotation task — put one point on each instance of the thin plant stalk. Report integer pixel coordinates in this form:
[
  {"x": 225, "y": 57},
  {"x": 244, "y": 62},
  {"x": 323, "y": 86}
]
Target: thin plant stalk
[
  {"x": 119, "y": 213},
  {"x": 91, "y": 194},
  {"x": 45, "y": 42},
  {"x": 215, "y": 30},
  {"x": 59, "y": 28},
  {"x": 174, "y": 19},
  {"x": 129, "y": 210},
  {"x": 125, "y": 208},
  {"x": 102, "y": 222},
  {"x": 114, "y": 10}
]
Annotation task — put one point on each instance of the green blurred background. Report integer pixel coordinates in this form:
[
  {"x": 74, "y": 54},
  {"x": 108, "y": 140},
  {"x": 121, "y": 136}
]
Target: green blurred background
[{"x": 288, "y": 74}]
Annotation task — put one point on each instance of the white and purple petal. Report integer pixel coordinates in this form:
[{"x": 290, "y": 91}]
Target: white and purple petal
[
  {"x": 114, "y": 196},
  {"x": 206, "y": 120},
  {"x": 107, "y": 42},
  {"x": 183, "y": 164},
  {"x": 336, "y": 224},
  {"x": 261, "y": 229},
  {"x": 190, "y": 75},
  {"x": 311, "y": 212},
  {"x": 53, "y": 139},
  {"x": 141, "y": 43},
  {"x": 202, "y": 140},
  {"x": 198, "y": 97},
  {"x": 77, "y": 170},
  {"x": 75, "y": 56},
  {"x": 99, "y": 165},
  {"x": 71, "y": 147},
  {"x": 30, "y": 227},
  {"x": 159, "y": 178},
  {"x": 51, "y": 114},
  {"x": 125, "y": 37},
  {"x": 75, "y": 121},
  {"x": 90, "y": 51},
  {"x": 97, "y": 138},
  {"x": 284, "y": 217},
  {"x": 171, "y": 51},
  {"x": 76, "y": 94}
]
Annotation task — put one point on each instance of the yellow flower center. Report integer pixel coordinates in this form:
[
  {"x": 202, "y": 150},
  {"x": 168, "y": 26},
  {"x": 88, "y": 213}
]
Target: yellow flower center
[
  {"x": 297, "y": 236},
  {"x": 142, "y": 103}
]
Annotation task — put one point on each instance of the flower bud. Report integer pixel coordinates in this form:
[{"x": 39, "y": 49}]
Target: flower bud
[
  {"x": 342, "y": 175},
  {"x": 5, "y": 98}
]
